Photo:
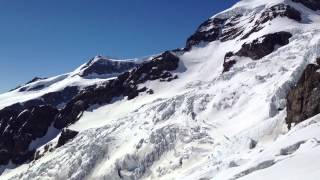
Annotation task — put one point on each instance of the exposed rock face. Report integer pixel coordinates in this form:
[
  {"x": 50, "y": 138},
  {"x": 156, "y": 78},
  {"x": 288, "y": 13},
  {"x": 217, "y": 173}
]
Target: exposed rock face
[
  {"x": 59, "y": 97},
  {"x": 231, "y": 28},
  {"x": 101, "y": 66},
  {"x": 279, "y": 10},
  {"x": 264, "y": 45},
  {"x": 35, "y": 79},
  {"x": 125, "y": 85},
  {"x": 312, "y": 4},
  {"x": 229, "y": 61},
  {"x": 18, "y": 129},
  {"x": 258, "y": 48},
  {"x": 215, "y": 29},
  {"x": 40, "y": 118},
  {"x": 21, "y": 123},
  {"x": 56, "y": 99},
  {"x": 303, "y": 101},
  {"x": 208, "y": 31},
  {"x": 35, "y": 88},
  {"x": 66, "y": 136}
]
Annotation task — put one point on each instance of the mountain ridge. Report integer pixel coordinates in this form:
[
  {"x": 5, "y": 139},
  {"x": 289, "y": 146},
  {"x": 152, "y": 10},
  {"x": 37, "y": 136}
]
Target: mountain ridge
[{"x": 216, "y": 109}]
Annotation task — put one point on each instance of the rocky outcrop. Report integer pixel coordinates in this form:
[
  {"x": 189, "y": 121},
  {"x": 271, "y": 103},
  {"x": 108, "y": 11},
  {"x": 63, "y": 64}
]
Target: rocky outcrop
[
  {"x": 258, "y": 48},
  {"x": 125, "y": 85},
  {"x": 18, "y": 129},
  {"x": 225, "y": 29},
  {"x": 102, "y": 66},
  {"x": 230, "y": 29},
  {"x": 215, "y": 29},
  {"x": 208, "y": 31},
  {"x": 28, "y": 87},
  {"x": 264, "y": 45},
  {"x": 21, "y": 123},
  {"x": 229, "y": 61},
  {"x": 66, "y": 136},
  {"x": 279, "y": 10},
  {"x": 303, "y": 101},
  {"x": 35, "y": 79},
  {"x": 312, "y": 4},
  {"x": 58, "y": 98}
]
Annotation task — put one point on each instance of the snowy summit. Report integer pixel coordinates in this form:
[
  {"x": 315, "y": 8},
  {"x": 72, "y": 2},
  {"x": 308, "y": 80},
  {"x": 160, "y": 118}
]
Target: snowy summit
[{"x": 239, "y": 102}]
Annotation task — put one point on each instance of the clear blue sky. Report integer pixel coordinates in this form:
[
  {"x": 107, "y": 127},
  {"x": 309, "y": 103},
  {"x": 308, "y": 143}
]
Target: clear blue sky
[{"x": 49, "y": 37}]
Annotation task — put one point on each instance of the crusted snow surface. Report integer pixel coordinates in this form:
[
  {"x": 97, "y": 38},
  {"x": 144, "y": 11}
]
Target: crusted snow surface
[
  {"x": 291, "y": 156},
  {"x": 203, "y": 125}
]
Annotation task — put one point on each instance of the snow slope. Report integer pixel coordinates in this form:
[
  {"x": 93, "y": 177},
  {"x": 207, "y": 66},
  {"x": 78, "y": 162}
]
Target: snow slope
[
  {"x": 204, "y": 125},
  {"x": 41, "y": 87}
]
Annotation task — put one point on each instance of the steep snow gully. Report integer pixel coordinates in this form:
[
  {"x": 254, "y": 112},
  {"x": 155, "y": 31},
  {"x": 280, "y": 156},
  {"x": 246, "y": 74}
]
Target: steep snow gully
[{"x": 239, "y": 102}]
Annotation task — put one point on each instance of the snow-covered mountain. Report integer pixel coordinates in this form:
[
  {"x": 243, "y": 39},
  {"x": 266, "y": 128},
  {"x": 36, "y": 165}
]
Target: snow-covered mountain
[{"x": 240, "y": 101}]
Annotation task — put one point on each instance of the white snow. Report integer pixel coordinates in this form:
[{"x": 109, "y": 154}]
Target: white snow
[
  {"x": 202, "y": 124},
  {"x": 51, "y": 85},
  {"x": 60, "y": 82}
]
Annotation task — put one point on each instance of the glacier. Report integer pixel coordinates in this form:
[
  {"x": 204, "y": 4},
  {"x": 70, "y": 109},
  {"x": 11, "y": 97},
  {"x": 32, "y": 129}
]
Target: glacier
[{"x": 206, "y": 124}]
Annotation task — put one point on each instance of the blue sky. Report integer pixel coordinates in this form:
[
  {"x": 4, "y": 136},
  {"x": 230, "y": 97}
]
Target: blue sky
[{"x": 49, "y": 37}]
